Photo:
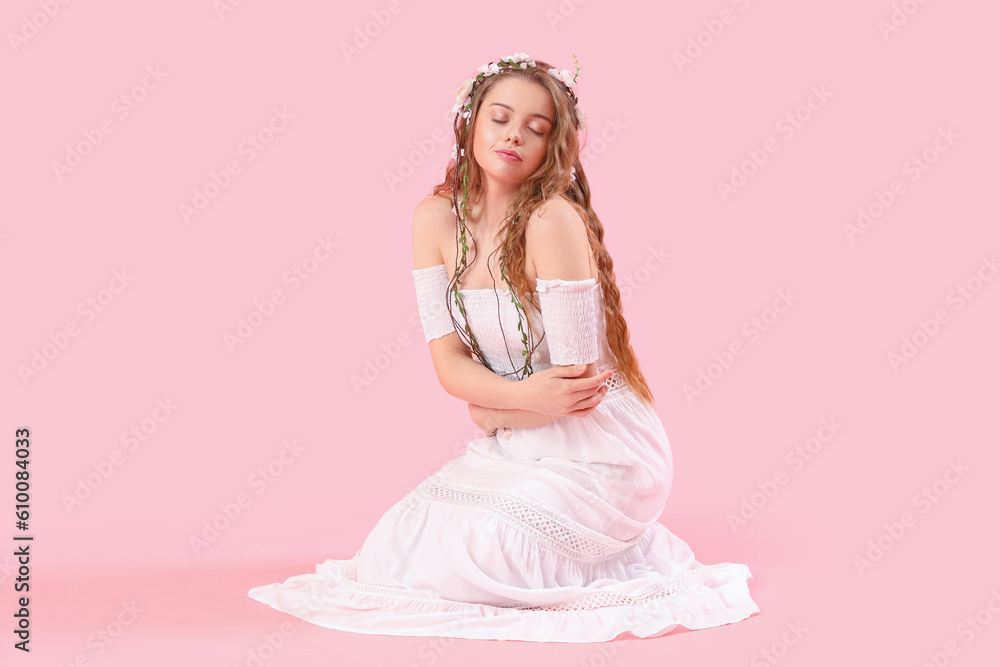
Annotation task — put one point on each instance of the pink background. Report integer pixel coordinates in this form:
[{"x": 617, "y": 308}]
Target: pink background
[{"x": 662, "y": 136}]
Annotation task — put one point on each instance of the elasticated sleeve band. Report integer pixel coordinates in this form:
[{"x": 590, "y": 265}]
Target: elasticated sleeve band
[
  {"x": 432, "y": 301},
  {"x": 569, "y": 318}
]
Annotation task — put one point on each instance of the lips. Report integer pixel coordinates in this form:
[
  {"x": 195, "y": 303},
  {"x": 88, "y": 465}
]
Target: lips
[{"x": 509, "y": 154}]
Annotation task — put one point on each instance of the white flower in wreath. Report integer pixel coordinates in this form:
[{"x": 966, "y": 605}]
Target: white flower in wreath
[
  {"x": 464, "y": 91},
  {"x": 489, "y": 69},
  {"x": 522, "y": 59},
  {"x": 458, "y": 106},
  {"x": 565, "y": 76},
  {"x": 581, "y": 117}
]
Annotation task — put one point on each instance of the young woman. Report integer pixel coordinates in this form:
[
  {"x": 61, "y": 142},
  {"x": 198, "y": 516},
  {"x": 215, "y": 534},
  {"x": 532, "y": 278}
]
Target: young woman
[{"x": 546, "y": 529}]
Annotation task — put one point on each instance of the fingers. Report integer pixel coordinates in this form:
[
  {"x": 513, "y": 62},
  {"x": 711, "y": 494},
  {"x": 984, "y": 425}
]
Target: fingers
[
  {"x": 591, "y": 384},
  {"x": 600, "y": 378},
  {"x": 567, "y": 371},
  {"x": 585, "y": 406}
]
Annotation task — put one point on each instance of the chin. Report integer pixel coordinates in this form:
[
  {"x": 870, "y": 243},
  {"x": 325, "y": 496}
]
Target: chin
[{"x": 506, "y": 177}]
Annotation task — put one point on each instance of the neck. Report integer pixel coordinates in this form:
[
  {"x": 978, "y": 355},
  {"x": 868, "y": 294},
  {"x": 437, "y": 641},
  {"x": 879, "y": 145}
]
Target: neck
[{"x": 493, "y": 203}]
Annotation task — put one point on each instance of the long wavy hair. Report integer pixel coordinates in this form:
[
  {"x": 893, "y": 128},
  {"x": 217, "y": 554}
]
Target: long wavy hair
[{"x": 552, "y": 179}]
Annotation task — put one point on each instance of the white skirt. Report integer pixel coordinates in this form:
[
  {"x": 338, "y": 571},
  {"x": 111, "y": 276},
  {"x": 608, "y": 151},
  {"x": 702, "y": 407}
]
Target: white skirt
[{"x": 544, "y": 534}]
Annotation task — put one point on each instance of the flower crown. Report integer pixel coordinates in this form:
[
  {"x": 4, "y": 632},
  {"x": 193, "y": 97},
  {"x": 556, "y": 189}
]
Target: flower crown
[{"x": 516, "y": 61}]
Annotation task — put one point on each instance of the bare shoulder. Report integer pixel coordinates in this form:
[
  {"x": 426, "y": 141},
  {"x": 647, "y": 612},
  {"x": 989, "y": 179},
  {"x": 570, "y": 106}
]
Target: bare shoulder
[
  {"x": 432, "y": 221},
  {"x": 557, "y": 242},
  {"x": 433, "y": 211},
  {"x": 556, "y": 219},
  {"x": 439, "y": 203}
]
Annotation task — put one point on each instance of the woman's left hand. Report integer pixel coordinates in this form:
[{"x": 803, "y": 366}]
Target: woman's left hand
[{"x": 483, "y": 418}]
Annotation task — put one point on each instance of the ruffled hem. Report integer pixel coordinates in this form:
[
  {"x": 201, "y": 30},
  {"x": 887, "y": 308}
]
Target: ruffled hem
[{"x": 697, "y": 597}]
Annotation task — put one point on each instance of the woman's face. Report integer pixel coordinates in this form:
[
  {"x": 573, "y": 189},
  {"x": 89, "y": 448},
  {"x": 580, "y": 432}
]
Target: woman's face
[{"x": 515, "y": 118}]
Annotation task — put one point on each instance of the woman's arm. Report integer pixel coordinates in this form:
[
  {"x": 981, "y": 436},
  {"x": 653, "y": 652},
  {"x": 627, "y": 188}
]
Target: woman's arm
[
  {"x": 463, "y": 377},
  {"x": 556, "y": 391},
  {"x": 491, "y": 419}
]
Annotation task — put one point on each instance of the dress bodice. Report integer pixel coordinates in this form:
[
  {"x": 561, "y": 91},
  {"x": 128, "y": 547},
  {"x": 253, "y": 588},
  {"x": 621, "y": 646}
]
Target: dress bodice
[{"x": 571, "y": 318}]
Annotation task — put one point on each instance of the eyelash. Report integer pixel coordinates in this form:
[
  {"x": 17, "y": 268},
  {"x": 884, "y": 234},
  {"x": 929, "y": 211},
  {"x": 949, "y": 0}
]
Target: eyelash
[{"x": 501, "y": 122}]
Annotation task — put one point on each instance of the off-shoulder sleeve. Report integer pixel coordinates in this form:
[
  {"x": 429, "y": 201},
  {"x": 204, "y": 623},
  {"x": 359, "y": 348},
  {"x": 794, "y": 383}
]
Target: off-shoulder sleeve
[
  {"x": 569, "y": 318},
  {"x": 432, "y": 301}
]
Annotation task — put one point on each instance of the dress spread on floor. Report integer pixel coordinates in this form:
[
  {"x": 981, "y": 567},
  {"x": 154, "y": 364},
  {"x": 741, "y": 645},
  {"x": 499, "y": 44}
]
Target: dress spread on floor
[{"x": 544, "y": 533}]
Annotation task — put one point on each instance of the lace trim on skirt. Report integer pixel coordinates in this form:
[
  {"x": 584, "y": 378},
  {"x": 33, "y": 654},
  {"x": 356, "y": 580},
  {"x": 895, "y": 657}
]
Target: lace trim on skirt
[
  {"x": 687, "y": 580},
  {"x": 542, "y": 524}
]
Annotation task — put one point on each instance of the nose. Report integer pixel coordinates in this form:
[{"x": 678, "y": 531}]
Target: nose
[{"x": 513, "y": 132}]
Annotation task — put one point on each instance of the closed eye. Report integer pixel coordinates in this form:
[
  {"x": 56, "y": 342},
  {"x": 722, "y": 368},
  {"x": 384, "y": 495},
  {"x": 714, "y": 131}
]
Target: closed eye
[{"x": 501, "y": 122}]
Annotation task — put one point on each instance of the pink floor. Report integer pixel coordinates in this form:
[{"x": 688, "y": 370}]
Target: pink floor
[{"x": 816, "y": 610}]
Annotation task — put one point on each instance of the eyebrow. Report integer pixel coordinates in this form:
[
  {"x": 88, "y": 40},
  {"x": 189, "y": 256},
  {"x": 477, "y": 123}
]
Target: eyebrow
[{"x": 536, "y": 115}]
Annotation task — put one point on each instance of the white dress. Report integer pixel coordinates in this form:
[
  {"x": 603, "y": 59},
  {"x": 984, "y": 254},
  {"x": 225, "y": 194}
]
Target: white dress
[{"x": 546, "y": 533}]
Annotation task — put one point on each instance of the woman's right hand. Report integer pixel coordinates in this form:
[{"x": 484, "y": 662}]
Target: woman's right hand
[{"x": 560, "y": 391}]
